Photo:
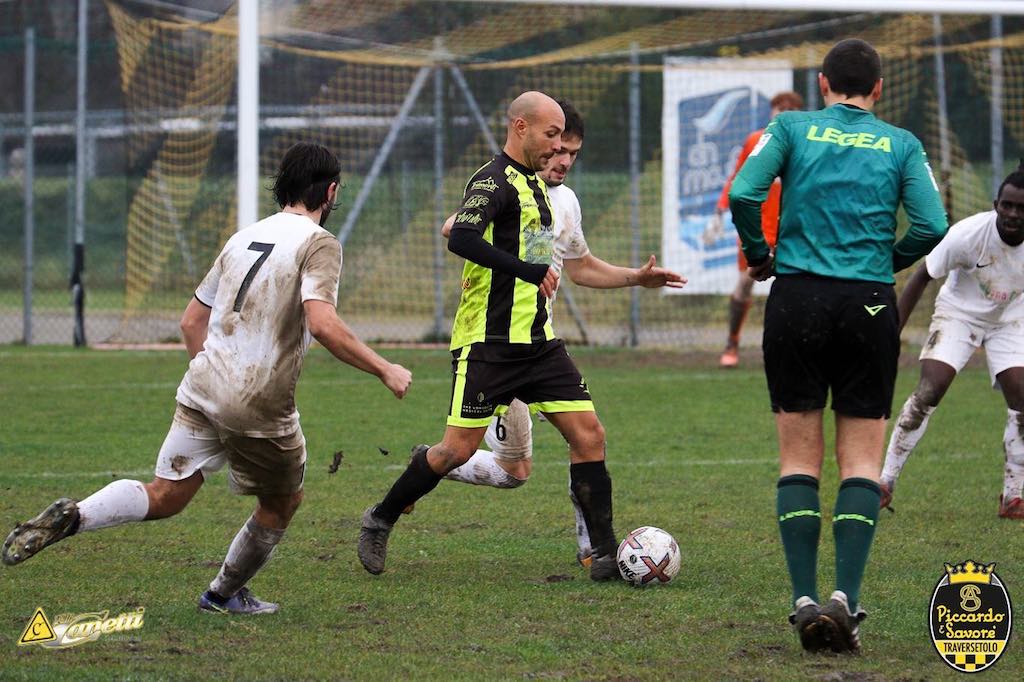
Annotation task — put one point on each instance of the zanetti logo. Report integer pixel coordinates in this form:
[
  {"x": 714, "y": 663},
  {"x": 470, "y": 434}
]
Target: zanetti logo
[{"x": 72, "y": 629}]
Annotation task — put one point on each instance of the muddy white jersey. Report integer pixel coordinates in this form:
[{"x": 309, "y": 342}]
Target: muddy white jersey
[
  {"x": 985, "y": 279},
  {"x": 569, "y": 239},
  {"x": 244, "y": 378}
]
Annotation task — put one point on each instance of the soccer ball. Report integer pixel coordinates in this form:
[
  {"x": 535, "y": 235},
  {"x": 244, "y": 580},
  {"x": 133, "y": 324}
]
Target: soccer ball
[{"x": 648, "y": 556}]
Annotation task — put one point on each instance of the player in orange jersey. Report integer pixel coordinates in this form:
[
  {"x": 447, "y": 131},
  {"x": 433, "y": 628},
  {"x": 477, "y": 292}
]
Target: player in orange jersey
[{"x": 740, "y": 300}]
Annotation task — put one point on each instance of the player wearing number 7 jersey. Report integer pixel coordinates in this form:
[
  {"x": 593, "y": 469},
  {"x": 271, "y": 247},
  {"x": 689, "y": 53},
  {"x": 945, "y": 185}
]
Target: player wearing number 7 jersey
[{"x": 271, "y": 290}]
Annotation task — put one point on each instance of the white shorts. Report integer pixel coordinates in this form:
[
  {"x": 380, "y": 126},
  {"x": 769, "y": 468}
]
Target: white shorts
[
  {"x": 954, "y": 341},
  {"x": 510, "y": 434},
  {"x": 257, "y": 466}
]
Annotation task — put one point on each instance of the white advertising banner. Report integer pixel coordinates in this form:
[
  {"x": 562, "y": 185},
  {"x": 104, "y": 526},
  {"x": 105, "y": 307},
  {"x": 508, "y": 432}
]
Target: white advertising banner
[{"x": 710, "y": 107}]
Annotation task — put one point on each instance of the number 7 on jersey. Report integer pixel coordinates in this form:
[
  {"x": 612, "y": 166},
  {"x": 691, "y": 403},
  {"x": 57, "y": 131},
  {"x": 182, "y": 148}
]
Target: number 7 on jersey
[{"x": 265, "y": 250}]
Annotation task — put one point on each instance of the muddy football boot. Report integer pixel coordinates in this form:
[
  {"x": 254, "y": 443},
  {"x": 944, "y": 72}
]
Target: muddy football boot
[
  {"x": 243, "y": 603},
  {"x": 373, "y": 541},
  {"x": 53, "y": 524},
  {"x": 887, "y": 488},
  {"x": 841, "y": 626},
  {"x": 804, "y": 620},
  {"x": 604, "y": 567},
  {"x": 1011, "y": 509}
]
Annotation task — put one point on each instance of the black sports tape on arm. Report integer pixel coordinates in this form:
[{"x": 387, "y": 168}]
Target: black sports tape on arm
[{"x": 471, "y": 245}]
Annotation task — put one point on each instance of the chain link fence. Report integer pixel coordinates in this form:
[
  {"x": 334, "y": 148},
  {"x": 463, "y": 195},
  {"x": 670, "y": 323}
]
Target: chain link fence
[{"x": 411, "y": 96}]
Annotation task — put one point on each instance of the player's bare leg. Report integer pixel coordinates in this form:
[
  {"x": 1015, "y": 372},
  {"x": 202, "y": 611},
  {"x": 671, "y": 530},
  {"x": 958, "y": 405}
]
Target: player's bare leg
[
  {"x": 936, "y": 377},
  {"x": 508, "y": 460},
  {"x": 739, "y": 306},
  {"x": 1011, "y": 381},
  {"x": 427, "y": 467},
  {"x": 591, "y": 485},
  {"x": 248, "y": 553},
  {"x": 120, "y": 502}
]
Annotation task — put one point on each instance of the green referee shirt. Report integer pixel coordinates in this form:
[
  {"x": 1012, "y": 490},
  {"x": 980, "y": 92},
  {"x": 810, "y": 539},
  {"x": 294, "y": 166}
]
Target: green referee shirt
[{"x": 844, "y": 174}]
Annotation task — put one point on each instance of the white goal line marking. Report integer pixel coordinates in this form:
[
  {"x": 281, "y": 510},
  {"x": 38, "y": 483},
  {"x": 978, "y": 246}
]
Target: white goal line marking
[
  {"x": 165, "y": 385},
  {"x": 613, "y": 463}
]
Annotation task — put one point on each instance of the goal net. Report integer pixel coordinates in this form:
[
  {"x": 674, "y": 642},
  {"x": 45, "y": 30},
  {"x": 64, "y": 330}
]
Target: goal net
[{"x": 411, "y": 97}]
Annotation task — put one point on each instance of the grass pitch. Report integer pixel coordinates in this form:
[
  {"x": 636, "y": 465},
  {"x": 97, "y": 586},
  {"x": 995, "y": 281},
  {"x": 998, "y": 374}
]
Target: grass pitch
[{"x": 481, "y": 583}]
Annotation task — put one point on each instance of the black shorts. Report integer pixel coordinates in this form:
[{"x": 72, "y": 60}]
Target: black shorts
[
  {"x": 487, "y": 376},
  {"x": 822, "y": 333}
]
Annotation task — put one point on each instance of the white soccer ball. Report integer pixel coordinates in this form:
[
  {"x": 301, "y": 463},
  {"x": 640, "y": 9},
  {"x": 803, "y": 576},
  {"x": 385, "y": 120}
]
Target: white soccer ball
[{"x": 648, "y": 556}]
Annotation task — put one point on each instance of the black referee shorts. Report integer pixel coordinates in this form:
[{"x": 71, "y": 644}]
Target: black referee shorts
[{"x": 823, "y": 334}]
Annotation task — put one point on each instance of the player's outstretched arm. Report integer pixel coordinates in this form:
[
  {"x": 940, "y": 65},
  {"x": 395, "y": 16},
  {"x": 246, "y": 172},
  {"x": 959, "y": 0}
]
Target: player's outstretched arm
[
  {"x": 334, "y": 335},
  {"x": 912, "y": 292},
  {"x": 446, "y": 229},
  {"x": 591, "y": 271},
  {"x": 194, "y": 324}
]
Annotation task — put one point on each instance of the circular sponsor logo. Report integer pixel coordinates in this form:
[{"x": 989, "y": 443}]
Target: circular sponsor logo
[{"x": 970, "y": 617}]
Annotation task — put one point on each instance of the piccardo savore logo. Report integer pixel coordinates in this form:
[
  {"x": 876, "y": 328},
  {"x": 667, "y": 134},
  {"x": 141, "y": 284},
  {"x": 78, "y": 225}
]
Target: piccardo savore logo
[{"x": 970, "y": 618}]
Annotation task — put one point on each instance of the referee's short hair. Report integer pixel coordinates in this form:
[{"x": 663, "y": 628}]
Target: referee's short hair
[
  {"x": 852, "y": 68},
  {"x": 573, "y": 120},
  {"x": 306, "y": 173}
]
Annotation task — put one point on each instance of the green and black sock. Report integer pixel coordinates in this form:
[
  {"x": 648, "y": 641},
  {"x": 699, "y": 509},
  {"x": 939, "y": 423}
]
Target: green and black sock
[
  {"x": 853, "y": 526},
  {"x": 799, "y": 513}
]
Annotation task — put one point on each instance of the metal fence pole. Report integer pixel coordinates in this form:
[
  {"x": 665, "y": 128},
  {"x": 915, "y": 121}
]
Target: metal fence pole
[
  {"x": 81, "y": 165},
  {"x": 29, "y": 180},
  {"x": 996, "y": 101},
  {"x": 940, "y": 91},
  {"x": 381, "y": 157},
  {"x": 812, "y": 81},
  {"x": 474, "y": 108},
  {"x": 634, "y": 177},
  {"x": 438, "y": 192}
]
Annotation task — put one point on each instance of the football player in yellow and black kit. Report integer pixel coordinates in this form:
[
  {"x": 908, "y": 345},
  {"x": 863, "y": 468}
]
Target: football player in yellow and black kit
[{"x": 503, "y": 345}]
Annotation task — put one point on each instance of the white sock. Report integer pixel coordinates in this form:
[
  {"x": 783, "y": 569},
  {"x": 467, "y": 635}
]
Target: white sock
[
  {"x": 120, "y": 502},
  {"x": 483, "y": 469},
  {"x": 249, "y": 551},
  {"x": 910, "y": 426},
  {"x": 1013, "y": 445},
  {"x": 582, "y": 534}
]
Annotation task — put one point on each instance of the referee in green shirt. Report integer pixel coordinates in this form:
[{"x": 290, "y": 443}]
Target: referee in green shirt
[{"x": 831, "y": 322}]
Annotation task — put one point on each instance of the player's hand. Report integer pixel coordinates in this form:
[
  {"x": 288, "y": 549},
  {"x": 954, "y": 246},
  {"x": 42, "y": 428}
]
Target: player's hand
[
  {"x": 549, "y": 285},
  {"x": 397, "y": 379},
  {"x": 760, "y": 273},
  {"x": 713, "y": 230},
  {"x": 652, "y": 277}
]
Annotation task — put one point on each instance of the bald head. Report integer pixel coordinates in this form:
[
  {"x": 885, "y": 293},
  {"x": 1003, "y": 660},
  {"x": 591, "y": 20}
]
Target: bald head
[
  {"x": 529, "y": 104},
  {"x": 535, "y": 123}
]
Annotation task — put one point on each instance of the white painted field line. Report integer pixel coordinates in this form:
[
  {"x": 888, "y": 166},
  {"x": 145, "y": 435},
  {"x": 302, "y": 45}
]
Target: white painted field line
[
  {"x": 681, "y": 379},
  {"x": 109, "y": 473},
  {"x": 397, "y": 467},
  {"x": 614, "y": 463}
]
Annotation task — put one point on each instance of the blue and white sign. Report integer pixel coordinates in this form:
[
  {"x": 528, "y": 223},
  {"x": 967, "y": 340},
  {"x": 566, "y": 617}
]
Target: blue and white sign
[{"x": 710, "y": 107}]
